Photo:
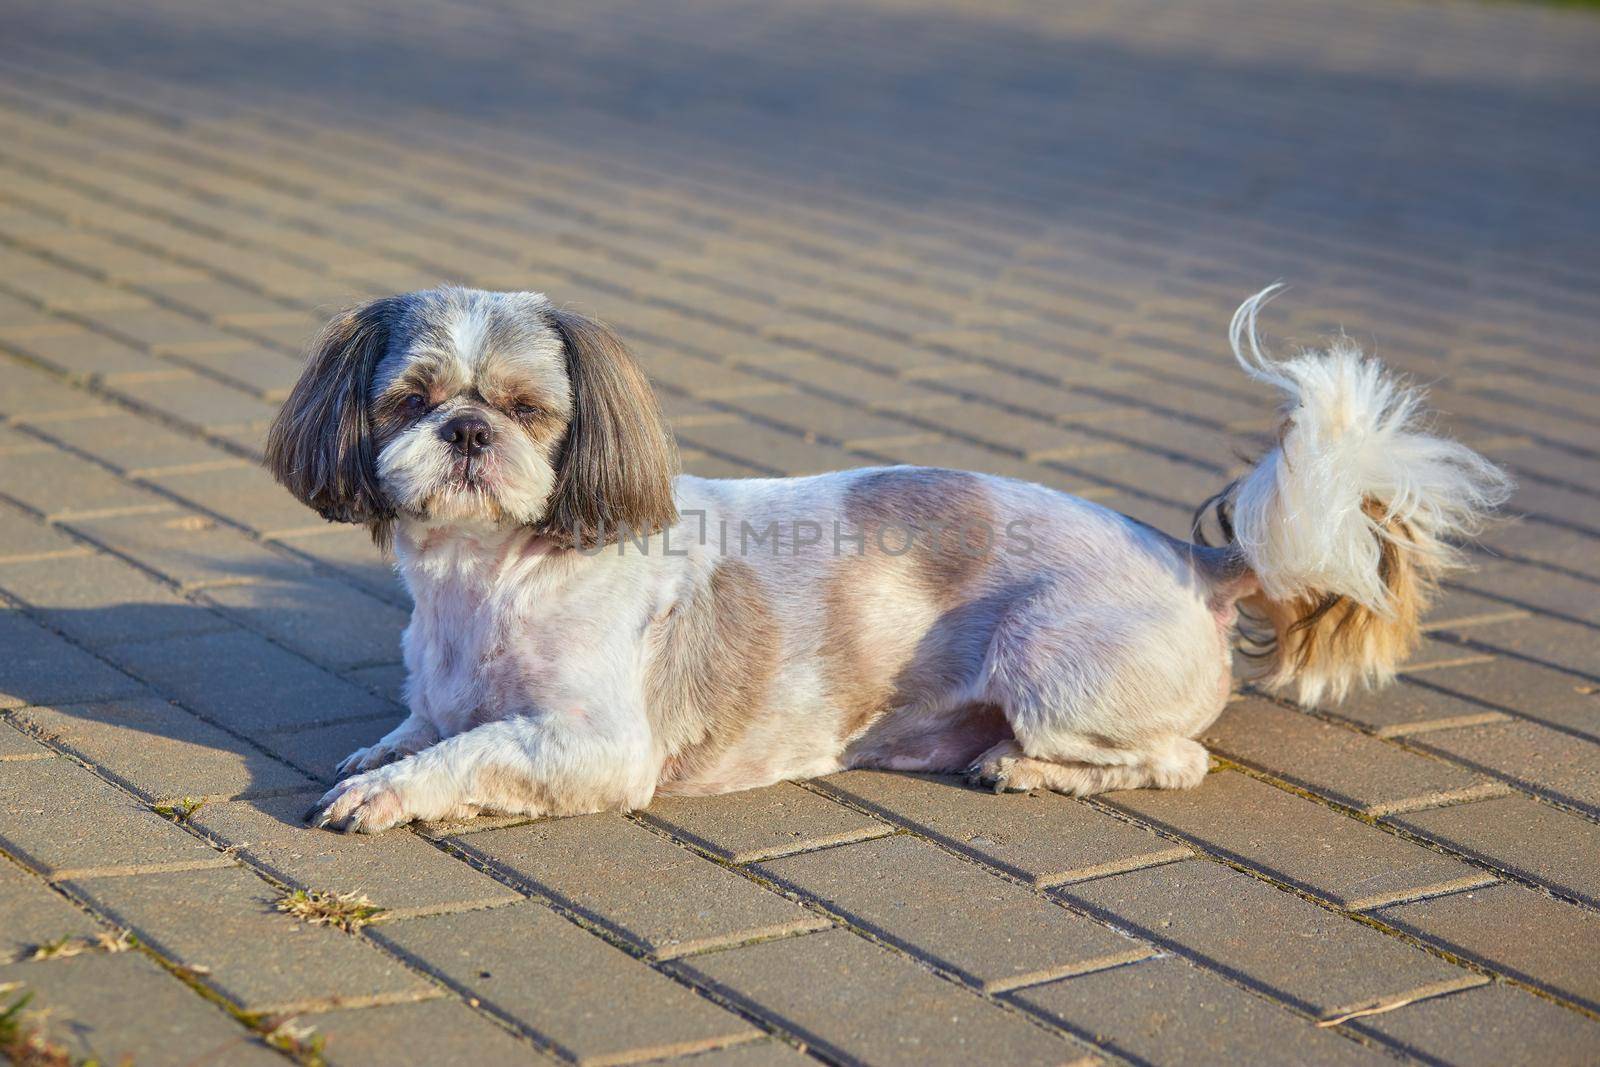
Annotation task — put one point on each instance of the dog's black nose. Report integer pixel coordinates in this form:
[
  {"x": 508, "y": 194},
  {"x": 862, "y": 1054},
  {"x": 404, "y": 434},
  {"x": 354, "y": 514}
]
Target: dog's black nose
[{"x": 468, "y": 434}]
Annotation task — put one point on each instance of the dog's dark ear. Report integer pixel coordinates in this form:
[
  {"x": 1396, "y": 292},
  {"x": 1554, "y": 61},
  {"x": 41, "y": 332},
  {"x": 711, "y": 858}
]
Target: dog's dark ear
[
  {"x": 615, "y": 467},
  {"x": 320, "y": 445}
]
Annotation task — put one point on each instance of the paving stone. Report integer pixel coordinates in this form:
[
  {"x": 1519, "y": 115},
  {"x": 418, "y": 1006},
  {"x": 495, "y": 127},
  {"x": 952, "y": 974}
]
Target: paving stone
[
  {"x": 224, "y": 924},
  {"x": 318, "y": 750},
  {"x": 196, "y": 401},
  {"x": 1433, "y": 655},
  {"x": 246, "y": 495},
  {"x": 1485, "y": 1027},
  {"x": 26, "y": 392},
  {"x": 1238, "y": 925},
  {"x": 1556, "y": 642},
  {"x": 269, "y": 373},
  {"x": 766, "y": 448},
  {"x": 322, "y": 619},
  {"x": 434, "y": 1031},
  {"x": 1168, "y": 1011},
  {"x": 33, "y": 914},
  {"x": 811, "y": 987},
  {"x": 99, "y": 600},
  {"x": 991, "y": 932},
  {"x": 563, "y": 984},
  {"x": 750, "y": 1054},
  {"x": 1414, "y": 705},
  {"x": 187, "y": 548},
  {"x": 162, "y": 330},
  {"x": 1522, "y": 836},
  {"x": 41, "y": 667},
  {"x": 963, "y": 456},
  {"x": 1516, "y": 931},
  {"x": 1537, "y": 758},
  {"x": 386, "y": 680},
  {"x": 134, "y": 443},
  {"x": 676, "y": 902},
  {"x": 23, "y": 537},
  {"x": 761, "y": 823},
  {"x": 400, "y": 871},
  {"x": 16, "y": 745},
  {"x": 819, "y": 415},
  {"x": 244, "y": 682},
  {"x": 19, "y": 317},
  {"x": 215, "y": 300},
  {"x": 80, "y": 295},
  {"x": 1298, "y": 841},
  {"x": 120, "y": 263},
  {"x": 292, "y": 332},
  {"x": 1525, "y": 690},
  {"x": 123, "y": 1008},
  {"x": 1348, "y": 768},
  {"x": 62, "y": 820},
  {"x": 1532, "y": 586},
  {"x": 1044, "y": 839},
  {"x": 349, "y": 551},
  {"x": 161, "y": 751},
  {"x": 80, "y": 352},
  {"x": 56, "y": 484}
]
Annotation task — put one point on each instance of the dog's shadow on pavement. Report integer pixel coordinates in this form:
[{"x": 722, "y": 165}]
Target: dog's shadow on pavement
[{"x": 184, "y": 703}]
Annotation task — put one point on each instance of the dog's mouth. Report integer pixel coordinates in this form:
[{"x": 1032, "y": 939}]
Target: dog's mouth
[
  {"x": 468, "y": 489},
  {"x": 468, "y": 474}
]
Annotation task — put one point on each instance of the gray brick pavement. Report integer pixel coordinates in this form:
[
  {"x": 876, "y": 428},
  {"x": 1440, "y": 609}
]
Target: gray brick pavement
[{"x": 1005, "y": 239}]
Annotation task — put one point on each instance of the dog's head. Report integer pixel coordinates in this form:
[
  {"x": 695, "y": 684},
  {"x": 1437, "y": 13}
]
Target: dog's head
[{"x": 459, "y": 406}]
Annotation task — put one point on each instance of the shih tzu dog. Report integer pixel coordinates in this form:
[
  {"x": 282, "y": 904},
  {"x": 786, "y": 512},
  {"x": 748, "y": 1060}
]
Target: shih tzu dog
[{"x": 591, "y": 629}]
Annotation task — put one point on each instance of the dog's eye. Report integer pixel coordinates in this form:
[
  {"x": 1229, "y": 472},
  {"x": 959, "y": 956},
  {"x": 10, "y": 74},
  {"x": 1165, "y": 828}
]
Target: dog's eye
[
  {"x": 414, "y": 404},
  {"x": 525, "y": 411}
]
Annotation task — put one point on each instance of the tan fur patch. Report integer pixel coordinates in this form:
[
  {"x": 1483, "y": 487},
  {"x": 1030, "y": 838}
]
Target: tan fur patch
[
  {"x": 712, "y": 663},
  {"x": 950, "y": 513},
  {"x": 1335, "y": 638},
  {"x": 944, "y": 520},
  {"x": 858, "y": 671},
  {"x": 503, "y": 791}
]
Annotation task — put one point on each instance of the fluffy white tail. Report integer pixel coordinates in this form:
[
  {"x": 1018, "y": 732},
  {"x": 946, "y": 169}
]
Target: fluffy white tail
[{"x": 1347, "y": 523}]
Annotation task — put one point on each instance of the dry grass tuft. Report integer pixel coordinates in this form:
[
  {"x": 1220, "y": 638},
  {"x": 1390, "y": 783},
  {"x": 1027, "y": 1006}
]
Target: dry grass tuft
[
  {"x": 180, "y": 808},
  {"x": 61, "y": 948},
  {"x": 348, "y": 911},
  {"x": 21, "y": 1041},
  {"x": 121, "y": 941},
  {"x": 64, "y": 947},
  {"x": 302, "y": 1043}
]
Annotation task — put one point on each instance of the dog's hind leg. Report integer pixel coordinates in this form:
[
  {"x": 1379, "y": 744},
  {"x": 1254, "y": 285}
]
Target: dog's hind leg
[
  {"x": 1179, "y": 764},
  {"x": 1103, "y": 697}
]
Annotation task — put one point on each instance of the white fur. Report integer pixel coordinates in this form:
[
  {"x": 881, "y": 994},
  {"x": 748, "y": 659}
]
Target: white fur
[
  {"x": 1103, "y": 645},
  {"x": 1353, "y": 435},
  {"x": 1086, "y": 661}
]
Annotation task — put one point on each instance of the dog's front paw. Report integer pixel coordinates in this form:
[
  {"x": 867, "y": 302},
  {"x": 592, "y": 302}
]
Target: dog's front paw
[
  {"x": 370, "y": 758},
  {"x": 369, "y": 803},
  {"x": 407, "y": 739}
]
